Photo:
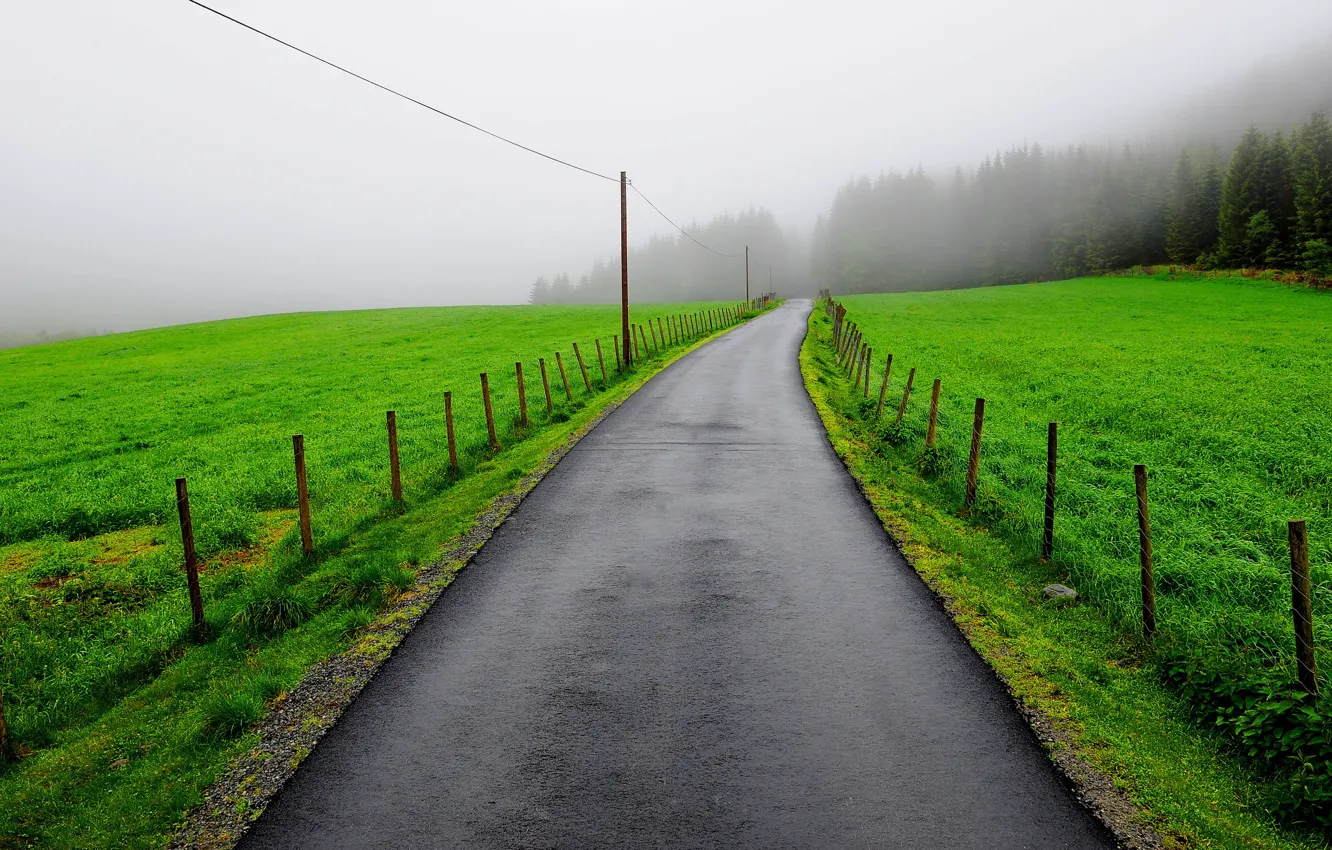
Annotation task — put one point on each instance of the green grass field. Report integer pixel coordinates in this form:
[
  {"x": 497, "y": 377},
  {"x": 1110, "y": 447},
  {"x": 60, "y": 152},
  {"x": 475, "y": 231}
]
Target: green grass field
[
  {"x": 1220, "y": 388},
  {"x": 117, "y": 717}
]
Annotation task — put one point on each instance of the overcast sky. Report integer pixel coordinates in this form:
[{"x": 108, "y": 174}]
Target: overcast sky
[{"x": 159, "y": 164}]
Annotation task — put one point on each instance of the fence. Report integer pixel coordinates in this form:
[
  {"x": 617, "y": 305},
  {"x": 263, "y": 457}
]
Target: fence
[
  {"x": 852, "y": 353},
  {"x": 652, "y": 337}
]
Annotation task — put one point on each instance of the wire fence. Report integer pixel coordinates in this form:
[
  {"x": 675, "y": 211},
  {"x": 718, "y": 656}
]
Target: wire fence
[{"x": 1238, "y": 599}]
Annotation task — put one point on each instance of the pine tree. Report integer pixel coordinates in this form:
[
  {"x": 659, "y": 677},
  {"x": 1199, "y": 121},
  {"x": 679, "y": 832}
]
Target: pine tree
[
  {"x": 1312, "y": 177},
  {"x": 1183, "y": 232},
  {"x": 540, "y": 292},
  {"x": 1278, "y": 195},
  {"x": 1241, "y": 200},
  {"x": 1209, "y": 206}
]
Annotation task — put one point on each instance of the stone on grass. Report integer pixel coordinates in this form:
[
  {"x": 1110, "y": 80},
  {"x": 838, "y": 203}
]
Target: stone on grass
[{"x": 1060, "y": 593}]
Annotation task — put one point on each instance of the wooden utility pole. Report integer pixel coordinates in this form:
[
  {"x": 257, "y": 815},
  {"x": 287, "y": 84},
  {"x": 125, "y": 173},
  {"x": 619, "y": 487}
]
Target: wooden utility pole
[
  {"x": 746, "y": 272},
  {"x": 624, "y": 267}
]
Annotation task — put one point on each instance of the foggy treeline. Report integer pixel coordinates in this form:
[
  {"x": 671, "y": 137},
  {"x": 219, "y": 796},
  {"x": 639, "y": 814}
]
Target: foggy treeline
[
  {"x": 1032, "y": 215},
  {"x": 1198, "y": 190},
  {"x": 18, "y": 339},
  {"x": 677, "y": 269}
]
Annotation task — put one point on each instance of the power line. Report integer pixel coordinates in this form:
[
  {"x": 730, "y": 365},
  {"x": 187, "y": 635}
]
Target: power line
[
  {"x": 438, "y": 111},
  {"x": 679, "y": 228},
  {"x": 403, "y": 96}
]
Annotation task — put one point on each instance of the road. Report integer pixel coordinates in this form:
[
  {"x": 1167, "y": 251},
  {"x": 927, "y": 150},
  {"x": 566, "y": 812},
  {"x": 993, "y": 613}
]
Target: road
[{"x": 693, "y": 633}]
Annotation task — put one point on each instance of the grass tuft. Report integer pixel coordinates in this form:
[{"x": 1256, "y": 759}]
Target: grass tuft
[
  {"x": 228, "y": 715},
  {"x": 272, "y": 610}
]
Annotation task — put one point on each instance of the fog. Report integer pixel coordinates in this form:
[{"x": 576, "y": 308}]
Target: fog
[{"x": 159, "y": 164}]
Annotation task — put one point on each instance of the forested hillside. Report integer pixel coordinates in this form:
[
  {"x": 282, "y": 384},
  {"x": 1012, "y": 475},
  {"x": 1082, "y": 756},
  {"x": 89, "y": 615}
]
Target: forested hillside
[{"x": 1029, "y": 214}]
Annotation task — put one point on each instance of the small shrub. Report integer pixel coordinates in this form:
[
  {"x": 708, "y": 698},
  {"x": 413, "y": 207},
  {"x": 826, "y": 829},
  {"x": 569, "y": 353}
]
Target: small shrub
[
  {"x": 934, "y": 462},
  {"x": 1284, "y": 731},
  {"x": 893, "y": 433},
  {"x": 271, "y": 611}
]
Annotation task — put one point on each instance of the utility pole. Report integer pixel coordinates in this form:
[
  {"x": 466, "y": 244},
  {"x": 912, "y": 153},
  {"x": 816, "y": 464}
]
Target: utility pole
[
  {"x": 746, "y": 273},
  {"x": 624, "y": 269}
]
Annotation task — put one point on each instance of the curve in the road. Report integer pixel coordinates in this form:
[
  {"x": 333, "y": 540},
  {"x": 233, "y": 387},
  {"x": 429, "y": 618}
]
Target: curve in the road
[{"x": 693, "y": 633}]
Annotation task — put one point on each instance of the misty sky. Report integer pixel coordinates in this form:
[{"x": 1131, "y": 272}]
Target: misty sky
[{"x": 159, "y": 164}]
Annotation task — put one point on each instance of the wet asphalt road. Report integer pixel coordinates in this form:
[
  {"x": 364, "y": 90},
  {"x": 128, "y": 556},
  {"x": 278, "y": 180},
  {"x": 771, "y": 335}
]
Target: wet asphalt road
[{"x": 693, "y": 633}]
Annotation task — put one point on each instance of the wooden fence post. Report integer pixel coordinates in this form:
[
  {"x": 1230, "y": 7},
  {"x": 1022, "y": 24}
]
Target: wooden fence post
[
  {"x": 395, "y": 473},
  {"x": 855, "y": 373},
  {"x": 545, "y": 384},
  {"x": 615, "y": 345},
  {"x": 906, "y": 394},
  {"x": 490, "y": 412},
  {"x": 1051, "y": 462},
  {"x": 578, "y": 355},
  {"x": 652, "y": 331},
  {"x": 637, "y": 354},
  {"x": 883, "y": 388},
  {"x": 191, "y": 561},
  {"x": 661, "y": 330},
  {"x": 522, "y": 393},
  {"x": 973, "y": 462},
  {"x": 869, "y": 360},
  {"x": 564, "y": 376},
  {"x": 934, "y": 415},
  {"x": 302, "y": 493},
  {"x": 4, "y": 732},
  {"x": 1301, "y": 605},
  {"x": 1145, "y": 553},
  {"x": 643, "y": 336},
  {"x": 601, "y": 360},
  {"x": 448, "y": 427}
]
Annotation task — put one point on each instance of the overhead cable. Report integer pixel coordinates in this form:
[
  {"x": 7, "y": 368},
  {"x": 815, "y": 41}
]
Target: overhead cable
[
  {"x": 679, "y": 228},
  {"x": 401, "y": 95}
]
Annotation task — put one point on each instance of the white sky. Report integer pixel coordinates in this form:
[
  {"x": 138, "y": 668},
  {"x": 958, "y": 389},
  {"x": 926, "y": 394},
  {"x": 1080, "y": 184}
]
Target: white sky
[{"x": 159, "y": 164}]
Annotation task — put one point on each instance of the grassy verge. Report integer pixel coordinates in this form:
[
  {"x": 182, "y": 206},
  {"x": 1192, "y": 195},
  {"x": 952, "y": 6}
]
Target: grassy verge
[
  {"x": 1100, "y": 688},
  {"x": 119, "y": 719}
]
